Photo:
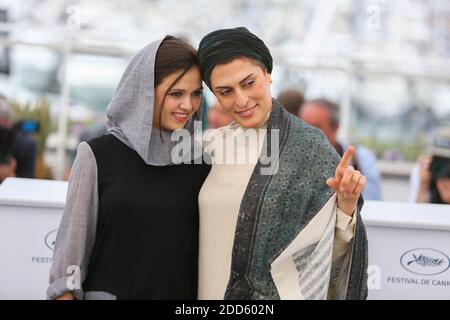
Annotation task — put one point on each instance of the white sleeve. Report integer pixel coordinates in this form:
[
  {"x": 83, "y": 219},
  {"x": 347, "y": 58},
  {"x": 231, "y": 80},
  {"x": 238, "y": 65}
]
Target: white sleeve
[{"x": 344, "y": 233}]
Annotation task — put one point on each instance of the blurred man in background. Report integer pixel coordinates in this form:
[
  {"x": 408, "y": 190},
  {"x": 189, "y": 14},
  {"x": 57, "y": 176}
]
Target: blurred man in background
[
  {"x": 18, "y": 151},
  {"x": 291, "y": 100},
  {"x": 324, "y": 114}
]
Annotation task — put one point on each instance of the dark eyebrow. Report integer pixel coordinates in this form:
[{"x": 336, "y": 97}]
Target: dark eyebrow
[
  {"x": 246, "y": 78},
  {"x": 240, "y": 82},
  {"x": 182, "y": 90}
]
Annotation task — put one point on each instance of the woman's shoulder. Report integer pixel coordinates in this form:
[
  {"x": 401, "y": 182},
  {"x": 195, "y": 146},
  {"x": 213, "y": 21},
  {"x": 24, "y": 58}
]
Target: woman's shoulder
[
  {"x": 308, "y": 135},
  {"x": 309, "y": 148},
  {"x": 84, "y": 151},
  {"x": 100, "y": 141}
]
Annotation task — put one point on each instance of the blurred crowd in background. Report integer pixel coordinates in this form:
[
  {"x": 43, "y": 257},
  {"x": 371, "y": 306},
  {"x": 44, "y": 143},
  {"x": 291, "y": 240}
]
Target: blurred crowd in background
[{"x": 374, "y": 74}]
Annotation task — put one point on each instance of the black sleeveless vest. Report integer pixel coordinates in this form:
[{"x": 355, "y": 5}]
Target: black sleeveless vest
[{"x": 146, "y": 243}]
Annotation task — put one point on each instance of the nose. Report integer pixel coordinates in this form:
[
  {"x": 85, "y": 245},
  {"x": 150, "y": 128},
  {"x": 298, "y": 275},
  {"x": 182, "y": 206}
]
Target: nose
[
  {"x": 241, "y": 99},
  {"x": 187, "y": 105}
]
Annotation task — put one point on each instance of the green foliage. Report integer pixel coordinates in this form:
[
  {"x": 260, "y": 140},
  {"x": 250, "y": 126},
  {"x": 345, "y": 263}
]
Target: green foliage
[{"x": 409, "y": 151}]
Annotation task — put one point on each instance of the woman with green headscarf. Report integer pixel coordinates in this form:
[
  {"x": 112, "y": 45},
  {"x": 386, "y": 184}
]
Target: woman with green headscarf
[{"x": 286, "y": 225}]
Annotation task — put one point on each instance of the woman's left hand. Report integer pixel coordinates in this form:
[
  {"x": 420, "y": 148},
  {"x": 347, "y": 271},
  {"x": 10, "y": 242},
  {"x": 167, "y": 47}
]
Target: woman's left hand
[{"x": 348, "y": 183}]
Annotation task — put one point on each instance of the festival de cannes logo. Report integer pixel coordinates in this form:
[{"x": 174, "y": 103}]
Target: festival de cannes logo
[
  {"x": 425, "y": 261},
  {"x": 50, "y": 239}
]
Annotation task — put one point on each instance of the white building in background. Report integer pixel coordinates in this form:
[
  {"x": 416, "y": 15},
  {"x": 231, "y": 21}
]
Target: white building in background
[{"x": 386, "y": 62}]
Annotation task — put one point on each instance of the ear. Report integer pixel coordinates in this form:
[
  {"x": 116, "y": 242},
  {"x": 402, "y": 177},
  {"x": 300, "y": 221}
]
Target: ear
[{"x": 268, "y": 76}]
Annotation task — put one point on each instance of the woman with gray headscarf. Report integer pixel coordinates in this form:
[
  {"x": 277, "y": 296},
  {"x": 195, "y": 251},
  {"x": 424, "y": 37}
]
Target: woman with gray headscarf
[{"x": 130, "y": 225}]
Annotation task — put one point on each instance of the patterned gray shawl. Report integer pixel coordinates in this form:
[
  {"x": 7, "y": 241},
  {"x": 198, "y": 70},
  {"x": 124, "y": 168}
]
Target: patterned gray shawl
[{"x": 276, "y": 208}]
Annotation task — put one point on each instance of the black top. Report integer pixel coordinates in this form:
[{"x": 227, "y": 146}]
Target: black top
[{"x": 146, "y": 243}]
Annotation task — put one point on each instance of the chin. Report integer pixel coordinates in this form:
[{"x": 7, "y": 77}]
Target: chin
[
  {"x": 247, "y": 124},
  {"x": 254, "y": 122}
]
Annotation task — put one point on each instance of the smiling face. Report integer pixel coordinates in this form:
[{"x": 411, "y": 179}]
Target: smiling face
[
  {"x": 242, "y": 88},
  {"x": 179, "y": 103}
]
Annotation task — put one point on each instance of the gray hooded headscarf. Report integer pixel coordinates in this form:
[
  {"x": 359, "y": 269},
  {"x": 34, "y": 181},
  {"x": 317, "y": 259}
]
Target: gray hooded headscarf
[{"x": 130, "y": 112}]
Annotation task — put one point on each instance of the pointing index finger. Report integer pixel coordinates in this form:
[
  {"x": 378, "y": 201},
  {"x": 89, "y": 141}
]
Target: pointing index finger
[{"x": 345, "y": 160}]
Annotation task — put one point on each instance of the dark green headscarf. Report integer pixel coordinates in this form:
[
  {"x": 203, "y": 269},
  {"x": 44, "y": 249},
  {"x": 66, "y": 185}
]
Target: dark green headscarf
[{"x": 223, "y": 45}]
